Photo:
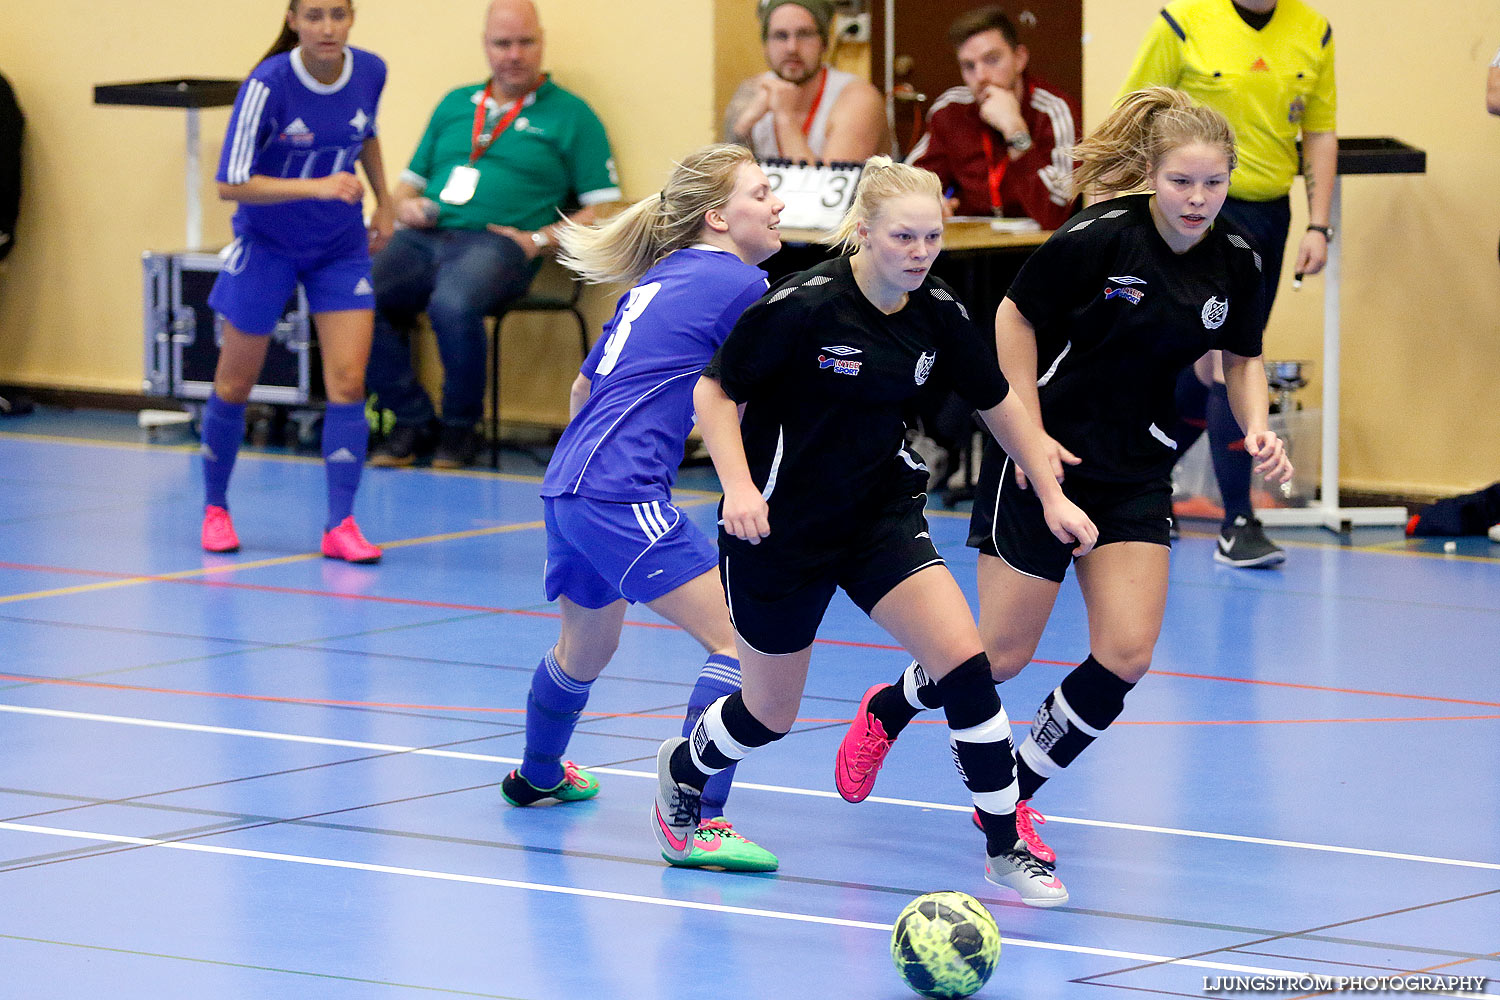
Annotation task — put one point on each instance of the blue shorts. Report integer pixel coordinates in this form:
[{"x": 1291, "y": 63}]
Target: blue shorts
[
  {"x": 599, "y": 552},
  {"x": 258, "y": 278}
]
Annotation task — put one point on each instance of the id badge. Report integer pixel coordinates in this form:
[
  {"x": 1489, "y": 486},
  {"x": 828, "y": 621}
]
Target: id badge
[{"x": 462, "y": 183}]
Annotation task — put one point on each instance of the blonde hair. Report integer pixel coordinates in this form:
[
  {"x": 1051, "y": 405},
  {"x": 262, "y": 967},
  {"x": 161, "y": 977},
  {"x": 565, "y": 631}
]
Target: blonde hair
[
  {"x": 1128, "y": 146},
  {"x": 882, "y": 180},
  {"x": 627, "y": 246}
]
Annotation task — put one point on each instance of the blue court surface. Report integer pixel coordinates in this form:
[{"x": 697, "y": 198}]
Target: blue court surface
[{"x": 269, "y": 775}]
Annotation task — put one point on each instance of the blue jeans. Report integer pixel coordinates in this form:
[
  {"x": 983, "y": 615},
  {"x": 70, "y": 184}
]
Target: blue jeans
[{"x": 458, "y": 277}]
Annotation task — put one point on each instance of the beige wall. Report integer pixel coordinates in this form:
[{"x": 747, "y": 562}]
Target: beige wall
[{"x": 1421, "y": 283}]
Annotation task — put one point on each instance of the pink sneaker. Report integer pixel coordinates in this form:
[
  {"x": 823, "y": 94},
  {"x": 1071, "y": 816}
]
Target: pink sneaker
[
  {"x": 218, "y": 531},
  {"x": 1025, "y": 817},
  {"x": 345, "y": 542},
  {"x": 861, "y": 753}
]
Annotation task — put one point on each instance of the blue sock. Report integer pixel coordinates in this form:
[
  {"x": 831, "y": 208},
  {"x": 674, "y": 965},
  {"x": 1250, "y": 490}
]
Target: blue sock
[
  {"x": 719, "y": 678},
  {"x": 552, "y": 709},
  {"x": 223, "y": 430},
  {"x": 346, "y": 438},
  {"x": 1231, "y": 461}
]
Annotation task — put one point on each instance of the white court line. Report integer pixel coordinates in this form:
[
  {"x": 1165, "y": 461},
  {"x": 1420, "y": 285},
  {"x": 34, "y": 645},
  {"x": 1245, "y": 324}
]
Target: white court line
[
  {"x": 780, "y": 789},
  {"x": 624, "y": 897}
]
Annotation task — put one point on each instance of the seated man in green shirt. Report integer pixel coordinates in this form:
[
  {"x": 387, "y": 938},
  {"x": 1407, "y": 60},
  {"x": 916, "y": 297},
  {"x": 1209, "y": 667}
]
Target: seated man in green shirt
[{"x": 479, "y": 201}]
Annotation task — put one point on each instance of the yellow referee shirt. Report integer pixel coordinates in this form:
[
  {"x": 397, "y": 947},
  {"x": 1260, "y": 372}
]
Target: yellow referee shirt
[{"x": 1271, "y": 84}]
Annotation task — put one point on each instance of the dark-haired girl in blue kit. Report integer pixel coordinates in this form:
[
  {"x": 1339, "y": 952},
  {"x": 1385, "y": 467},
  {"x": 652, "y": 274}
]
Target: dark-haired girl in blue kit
[{"x": 301, "y": 121}]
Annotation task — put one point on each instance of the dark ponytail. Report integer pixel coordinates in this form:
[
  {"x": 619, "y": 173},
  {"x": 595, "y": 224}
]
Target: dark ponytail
[{"x": 287, "y": 40}]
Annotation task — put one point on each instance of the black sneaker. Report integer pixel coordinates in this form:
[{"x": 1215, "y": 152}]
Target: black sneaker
[
  {"x": 405, "y": 444},
  {"x": 457, "y": 449},
  {"x": 1245, "y": 545}
]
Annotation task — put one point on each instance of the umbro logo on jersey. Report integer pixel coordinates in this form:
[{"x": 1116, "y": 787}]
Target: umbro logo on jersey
[
  {"x": 363, "y": 288},
  {"x": 1215, "y": 311},
  {"x": 342, "y": 455},
  {"x": 298, "y": 134},
  {"x": 842, "y": 351},
  {"x": 1126, "y": 279},
  {"x": 839, "y": 365}
]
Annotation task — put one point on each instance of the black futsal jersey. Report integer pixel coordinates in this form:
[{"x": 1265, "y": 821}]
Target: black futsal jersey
[
  {"x": 825, "y": 378},
  {"x": 1118, "y": 315}
]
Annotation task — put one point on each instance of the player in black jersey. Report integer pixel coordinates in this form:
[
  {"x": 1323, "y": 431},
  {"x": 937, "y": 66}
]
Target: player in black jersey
[
  {"x": 1092, "y": 335},
  {"x": 820, "y": 492}
]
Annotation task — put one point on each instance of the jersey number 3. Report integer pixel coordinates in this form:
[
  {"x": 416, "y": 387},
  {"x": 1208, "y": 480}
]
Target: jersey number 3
[{"x": 640, "y": 298}]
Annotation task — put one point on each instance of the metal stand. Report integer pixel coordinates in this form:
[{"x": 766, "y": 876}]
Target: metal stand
[
  {"x": 190, "y": 95},
  {"x": 1356, "y": 156}
]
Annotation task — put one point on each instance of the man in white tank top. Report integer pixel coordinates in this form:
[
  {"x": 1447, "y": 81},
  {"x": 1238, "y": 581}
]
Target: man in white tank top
[{"x": 801, "y": 109}]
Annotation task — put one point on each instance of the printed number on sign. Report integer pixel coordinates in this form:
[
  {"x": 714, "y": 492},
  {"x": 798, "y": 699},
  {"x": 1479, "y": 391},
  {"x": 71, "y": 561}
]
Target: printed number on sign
[{"x": 640, "y": 298}]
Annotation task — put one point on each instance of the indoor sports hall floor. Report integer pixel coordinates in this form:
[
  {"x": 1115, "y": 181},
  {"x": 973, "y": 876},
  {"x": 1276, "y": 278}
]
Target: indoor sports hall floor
[{"x": 268, "y": 775}]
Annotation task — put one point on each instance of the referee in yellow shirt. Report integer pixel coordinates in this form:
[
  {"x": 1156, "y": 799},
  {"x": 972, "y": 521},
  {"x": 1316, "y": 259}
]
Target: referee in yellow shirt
[{"x": 1267, "y": 65}]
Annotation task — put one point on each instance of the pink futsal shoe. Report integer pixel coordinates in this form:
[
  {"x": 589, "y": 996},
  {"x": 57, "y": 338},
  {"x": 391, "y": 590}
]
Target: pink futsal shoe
[
  {"x": 345, "y": 542},
  {"x": 861, "y": 753},
  {"x": 218, "y": 531},
  {"x": 1026, "y": 817}
]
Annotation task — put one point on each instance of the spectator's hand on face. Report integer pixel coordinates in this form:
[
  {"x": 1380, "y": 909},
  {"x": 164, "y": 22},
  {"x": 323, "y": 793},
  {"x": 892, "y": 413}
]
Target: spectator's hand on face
[
  {"x": 781, "y": 96},
  {"x": 950, "y": 207},
  {"x": 1001, "y": 110}
]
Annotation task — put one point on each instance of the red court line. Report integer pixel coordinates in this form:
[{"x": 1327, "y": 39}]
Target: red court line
[
  {"x": 448, "y": 606},
  {"x": 335, "y": 703}
]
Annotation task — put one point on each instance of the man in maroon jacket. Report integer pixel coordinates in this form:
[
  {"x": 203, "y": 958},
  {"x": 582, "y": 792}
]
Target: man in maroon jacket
[{"x": 1000, "y": 142}]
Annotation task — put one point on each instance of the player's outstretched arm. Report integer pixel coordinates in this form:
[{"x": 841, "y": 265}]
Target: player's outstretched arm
[
  {"x": 746, "y": 514},
  {"x": 1250, "y": 401},
  {"x": 1023, "y": 440}
]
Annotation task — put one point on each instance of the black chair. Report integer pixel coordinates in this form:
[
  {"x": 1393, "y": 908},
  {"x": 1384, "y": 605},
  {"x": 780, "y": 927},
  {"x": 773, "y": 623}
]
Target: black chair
[{"x": 544, "y": 296}]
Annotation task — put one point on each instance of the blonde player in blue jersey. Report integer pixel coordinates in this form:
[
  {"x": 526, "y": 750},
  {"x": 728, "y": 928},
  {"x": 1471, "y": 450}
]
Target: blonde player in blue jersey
[
  {"x": 613, "y": 535},
  {"x": 301, "y": 121}
]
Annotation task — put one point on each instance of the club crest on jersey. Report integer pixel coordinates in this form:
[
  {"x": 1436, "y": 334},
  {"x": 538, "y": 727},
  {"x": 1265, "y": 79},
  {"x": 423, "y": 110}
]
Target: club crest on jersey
[
  {"x": 1215, "y": 311},
  {"x": 840, "y": 366},
  {"x": 1131, "y": 295},
  {"x": 924, "y": 366},
  {"x": 1295, "y": 110}
]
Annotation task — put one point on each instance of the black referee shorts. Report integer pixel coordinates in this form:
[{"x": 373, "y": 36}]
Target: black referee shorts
[
  {"x": 778, "y": 594},
  {"x": 1008, "y": 522}
]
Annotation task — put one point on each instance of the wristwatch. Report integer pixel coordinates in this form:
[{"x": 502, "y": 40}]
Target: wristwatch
[
  {"x": 540, "y": 239},
  {"x": 1327, "y": 231},
  {"x": 1020, "y": 142}
]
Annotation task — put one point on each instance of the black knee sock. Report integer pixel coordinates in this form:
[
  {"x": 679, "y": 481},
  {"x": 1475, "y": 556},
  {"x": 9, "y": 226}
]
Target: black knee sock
[
  {"x": 724, "y": 734},
  {"x": 1231, "y": 461},
  {"x": 1071, "y": 718},
  {"x": 897, "y": 705},
  {"x": 1192, "y": 410},
  {"x": 979, "y": 733}
]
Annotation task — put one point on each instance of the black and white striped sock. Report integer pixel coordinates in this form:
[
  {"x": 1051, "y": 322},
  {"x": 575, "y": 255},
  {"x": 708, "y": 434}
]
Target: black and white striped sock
[
  {"x": 979, "y": 733},
  {"x": 725, "y": 734},
  {"x": 1074, "y": 715}
]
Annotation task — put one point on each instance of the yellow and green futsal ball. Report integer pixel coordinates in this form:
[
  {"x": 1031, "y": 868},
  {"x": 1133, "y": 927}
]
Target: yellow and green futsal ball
[{"x": 945, "y": 944}]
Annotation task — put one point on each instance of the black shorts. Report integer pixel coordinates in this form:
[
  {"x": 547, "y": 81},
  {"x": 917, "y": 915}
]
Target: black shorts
[
  {"x": 778, "y": 595},
  {"x": 1008, "y": 522}
]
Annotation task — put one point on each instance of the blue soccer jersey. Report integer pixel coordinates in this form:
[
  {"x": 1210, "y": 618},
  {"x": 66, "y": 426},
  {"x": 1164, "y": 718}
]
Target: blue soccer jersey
[
  {"x": 626, "y": 442},
  {"x": 287, "y": 124}
]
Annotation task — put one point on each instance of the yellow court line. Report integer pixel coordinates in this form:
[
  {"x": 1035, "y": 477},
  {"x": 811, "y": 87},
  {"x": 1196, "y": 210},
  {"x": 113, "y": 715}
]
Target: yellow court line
[
  {"x": 1379, "y": 548},
  {"x": 235, "y": 567}
]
